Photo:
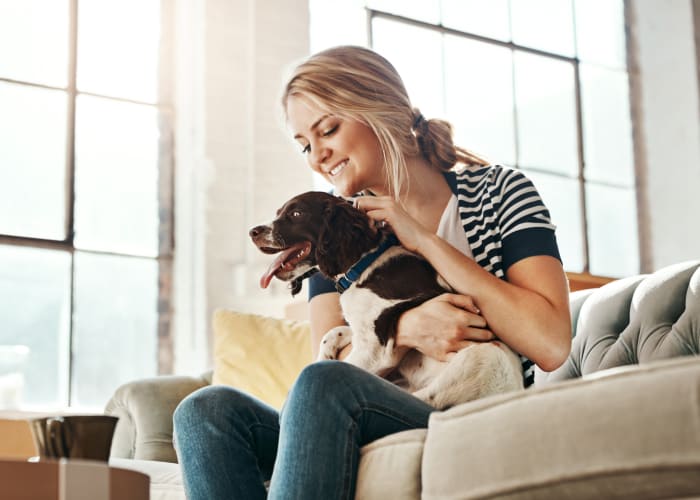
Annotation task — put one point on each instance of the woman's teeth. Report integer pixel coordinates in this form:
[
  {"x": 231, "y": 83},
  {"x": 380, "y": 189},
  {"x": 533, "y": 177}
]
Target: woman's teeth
[{"x": 336, "y": 170}]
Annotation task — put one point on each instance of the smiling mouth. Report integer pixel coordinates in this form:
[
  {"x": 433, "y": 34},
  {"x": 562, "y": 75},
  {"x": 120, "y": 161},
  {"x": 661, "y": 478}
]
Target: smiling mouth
[
  {"x": 338, "y": 168},
  {"x": 287, "y": 260}
]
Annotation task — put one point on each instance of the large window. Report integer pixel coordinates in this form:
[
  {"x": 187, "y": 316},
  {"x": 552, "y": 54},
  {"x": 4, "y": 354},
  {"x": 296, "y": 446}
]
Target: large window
[
  {"x": 85, "y": 197},
  {"x": 540, "y": 85}
]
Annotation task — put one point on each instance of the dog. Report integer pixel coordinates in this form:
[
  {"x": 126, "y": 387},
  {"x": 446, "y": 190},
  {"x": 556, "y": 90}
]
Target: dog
[{"x": 379, "y": 280}]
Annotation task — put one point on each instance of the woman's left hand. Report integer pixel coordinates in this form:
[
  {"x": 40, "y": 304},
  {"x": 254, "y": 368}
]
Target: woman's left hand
[{"x": 384, "y": 209}]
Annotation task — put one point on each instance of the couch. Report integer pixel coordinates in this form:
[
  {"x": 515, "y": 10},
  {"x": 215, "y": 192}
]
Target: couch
[{"x": 619, "y": 419}]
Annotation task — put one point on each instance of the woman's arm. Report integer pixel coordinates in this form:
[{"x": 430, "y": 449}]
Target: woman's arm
[
  {"x": 324, "y": 314},
  {"x": 529, "y": 311}
]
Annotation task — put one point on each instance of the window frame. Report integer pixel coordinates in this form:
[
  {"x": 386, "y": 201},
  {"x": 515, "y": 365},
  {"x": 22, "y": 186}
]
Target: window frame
[
  {"x": 582, "y": 182},
  {"x": 165, "y": 166}
]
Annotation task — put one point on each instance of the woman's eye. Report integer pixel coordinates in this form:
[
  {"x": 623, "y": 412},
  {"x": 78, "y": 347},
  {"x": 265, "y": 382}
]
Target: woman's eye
[
  {"x": 307, "y": 149},
  {"x": 330, "y": 131}
]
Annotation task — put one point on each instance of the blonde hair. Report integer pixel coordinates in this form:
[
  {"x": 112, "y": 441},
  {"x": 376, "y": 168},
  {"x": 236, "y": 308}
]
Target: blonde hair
[{"x": 357, "y": 83}]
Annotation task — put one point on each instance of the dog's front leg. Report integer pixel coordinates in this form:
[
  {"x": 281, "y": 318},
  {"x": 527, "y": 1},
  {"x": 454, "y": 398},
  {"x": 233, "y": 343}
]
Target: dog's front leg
[
  {"x": 333, "y": 342},
  {"x": 373, "y": 357},
  {"x": 370, "y": 356}
]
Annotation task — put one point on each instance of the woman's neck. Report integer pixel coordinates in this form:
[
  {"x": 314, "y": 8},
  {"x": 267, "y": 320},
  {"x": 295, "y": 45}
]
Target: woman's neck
[{"x": 426, "y": 192}]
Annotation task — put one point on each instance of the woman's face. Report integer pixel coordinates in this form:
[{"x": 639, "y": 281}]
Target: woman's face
[{"x": 345, "y": 152}]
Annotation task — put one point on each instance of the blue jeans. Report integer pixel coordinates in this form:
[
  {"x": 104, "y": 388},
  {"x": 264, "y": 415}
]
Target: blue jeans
[{"x": 229, "y": 443}]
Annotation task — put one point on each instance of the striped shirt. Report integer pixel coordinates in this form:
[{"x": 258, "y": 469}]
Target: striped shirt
[{"x": 505, "y": 221}]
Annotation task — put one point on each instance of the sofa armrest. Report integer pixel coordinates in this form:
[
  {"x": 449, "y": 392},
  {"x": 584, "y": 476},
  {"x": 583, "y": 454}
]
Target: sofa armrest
[
  {"x": 631, "y": 432},
  {"x": 145, "y": 409}
]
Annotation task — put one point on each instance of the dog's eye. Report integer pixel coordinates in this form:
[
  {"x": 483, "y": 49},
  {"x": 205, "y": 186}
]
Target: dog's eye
[{"x": 296, "y": 213}]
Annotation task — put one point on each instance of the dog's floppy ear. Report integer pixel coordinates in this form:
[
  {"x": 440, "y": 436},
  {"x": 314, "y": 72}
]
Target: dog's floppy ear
[{"x": 346, "y": 233}]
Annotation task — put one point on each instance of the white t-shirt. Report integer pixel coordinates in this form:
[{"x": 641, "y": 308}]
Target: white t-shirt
[{"x": 451, "y": 230}]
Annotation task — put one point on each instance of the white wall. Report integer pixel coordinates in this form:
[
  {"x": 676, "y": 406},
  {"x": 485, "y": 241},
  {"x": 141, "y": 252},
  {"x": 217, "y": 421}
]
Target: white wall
[
  {"x": 235, "y": 163},
  {"x": 667, "y": 136}
]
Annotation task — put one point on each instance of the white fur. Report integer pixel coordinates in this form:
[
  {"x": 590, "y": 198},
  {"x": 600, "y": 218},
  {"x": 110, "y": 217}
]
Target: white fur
[{"x": 477, "y": 371}]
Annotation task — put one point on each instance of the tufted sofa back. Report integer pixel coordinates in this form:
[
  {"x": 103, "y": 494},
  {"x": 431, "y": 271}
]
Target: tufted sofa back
[{"x": 633, "y": 320}]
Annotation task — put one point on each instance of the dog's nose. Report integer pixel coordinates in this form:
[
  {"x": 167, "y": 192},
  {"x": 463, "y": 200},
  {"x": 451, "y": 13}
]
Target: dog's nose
[{"x": 256, "y": 231}]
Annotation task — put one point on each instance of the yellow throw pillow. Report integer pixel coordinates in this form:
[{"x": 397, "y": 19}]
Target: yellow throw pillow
[{"x": 259, "y": 355}]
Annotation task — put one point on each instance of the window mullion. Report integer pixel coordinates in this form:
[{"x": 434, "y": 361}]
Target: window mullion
[
  {"x": 72, "y": 92},
  {"x": 581, "y": 167}
]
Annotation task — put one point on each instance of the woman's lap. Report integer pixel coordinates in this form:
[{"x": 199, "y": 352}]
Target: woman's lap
[{"x": 332, "y": 410}]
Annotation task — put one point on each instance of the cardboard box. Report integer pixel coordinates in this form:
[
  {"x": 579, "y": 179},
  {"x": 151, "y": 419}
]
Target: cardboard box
[
  {"x": 70, "y": 480},
  {"x": 16, "y": 436}
]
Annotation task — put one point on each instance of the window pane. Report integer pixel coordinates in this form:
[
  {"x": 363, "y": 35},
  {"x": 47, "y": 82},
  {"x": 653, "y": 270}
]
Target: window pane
[
  {"x": 612, "y": 230},
  {"x": 118, "y": 48},
  {"x": 116, "y": 207},
  {"x": 488, "y": 18},
  {"x": 600, "y": 32},
  {"x": 32, "y": 178},
  {"x": 34, "y": 41},
  {"x": 423, "y": 10},
  {"x": 607, "y": 127},
  {"x": 35, "y": 311},
  {"x": 481, "y": 109},
  {"x": 115, "y": 325},
  {"x": 413, "y": 51},
  {"x": 563, "y": 199},
  {"x": 546, "y": 114},
  {"x": 544, "y": 24}
]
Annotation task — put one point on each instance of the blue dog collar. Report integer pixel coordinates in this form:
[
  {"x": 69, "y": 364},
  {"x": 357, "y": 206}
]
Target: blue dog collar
[{"x": 353, "y": 274}]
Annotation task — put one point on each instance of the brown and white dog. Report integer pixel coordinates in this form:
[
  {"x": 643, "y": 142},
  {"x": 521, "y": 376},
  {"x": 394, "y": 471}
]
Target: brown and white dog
[{"x": 318, "y": 231}]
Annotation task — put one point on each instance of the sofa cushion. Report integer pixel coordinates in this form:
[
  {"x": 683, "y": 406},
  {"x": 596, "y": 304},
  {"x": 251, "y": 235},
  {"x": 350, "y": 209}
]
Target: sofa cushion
[
  {"x": 390, "y": 467},
  {"x": 259, "y": 355},
  {"x": 632, "y": 432},
  {"x": 633, "y": 320},
  {"x": 166, "y": 479}
]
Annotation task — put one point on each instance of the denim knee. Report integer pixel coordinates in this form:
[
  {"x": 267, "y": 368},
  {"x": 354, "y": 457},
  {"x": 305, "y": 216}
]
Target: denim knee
[
  {"x": 214, "y": 404},
  {"x": 323, "y": 381},
  {"x": 196, "y": 405},
  {"x": 324, "y": 377}
]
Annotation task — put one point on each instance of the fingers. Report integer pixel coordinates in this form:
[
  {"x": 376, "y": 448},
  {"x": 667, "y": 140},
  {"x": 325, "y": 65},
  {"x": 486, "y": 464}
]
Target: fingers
[
  {"x": 465, "y": 302},
  {"x": 479, "y": 334},
  {"x": 475, "y": 321},
  {"x": 376, "y": 207},
  {"x": 366, "y": 203}
]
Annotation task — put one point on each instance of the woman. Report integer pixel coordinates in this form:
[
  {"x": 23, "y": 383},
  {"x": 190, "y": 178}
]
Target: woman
[{"x": 484, "y": 228}]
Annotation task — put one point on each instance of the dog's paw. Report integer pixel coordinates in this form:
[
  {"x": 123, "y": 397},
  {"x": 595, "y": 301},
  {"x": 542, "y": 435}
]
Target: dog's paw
[
  {"x": 425, "y": 395},
  {"x": 333, "y": 342}
]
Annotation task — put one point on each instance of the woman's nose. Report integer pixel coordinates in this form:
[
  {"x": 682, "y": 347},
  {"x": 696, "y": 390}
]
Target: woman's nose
[{"x": 319, "y": 156}]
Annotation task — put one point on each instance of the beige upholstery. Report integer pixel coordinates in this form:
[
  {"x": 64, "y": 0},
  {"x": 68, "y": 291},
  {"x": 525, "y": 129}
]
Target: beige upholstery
[
  {"x": 391, "y": 467},
  {"x": 145, "y": 410},
  {"x": 631, "y": 434},
  {"x": 634, "y": 320},
  {"x": 631, "y": 430}
]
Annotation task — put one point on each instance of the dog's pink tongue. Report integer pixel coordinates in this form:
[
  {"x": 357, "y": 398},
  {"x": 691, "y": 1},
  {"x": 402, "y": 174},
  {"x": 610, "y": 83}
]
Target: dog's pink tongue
[{"x": 276, "y": 266}]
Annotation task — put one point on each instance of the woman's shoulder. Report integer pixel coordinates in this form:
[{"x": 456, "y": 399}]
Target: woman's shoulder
[{"x": 489, "y": 174}]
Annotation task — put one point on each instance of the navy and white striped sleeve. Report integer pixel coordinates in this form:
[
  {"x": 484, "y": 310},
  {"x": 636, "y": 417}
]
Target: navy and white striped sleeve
[{"x": 525, "y": 224}]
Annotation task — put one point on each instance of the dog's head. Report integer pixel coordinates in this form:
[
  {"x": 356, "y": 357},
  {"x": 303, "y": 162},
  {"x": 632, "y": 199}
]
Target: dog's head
[{"x": 314, "y": 230}]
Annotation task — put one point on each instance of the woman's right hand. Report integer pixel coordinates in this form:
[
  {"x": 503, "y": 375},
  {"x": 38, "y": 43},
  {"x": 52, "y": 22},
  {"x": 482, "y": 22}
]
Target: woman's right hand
[{"x": 442, "y": 326}]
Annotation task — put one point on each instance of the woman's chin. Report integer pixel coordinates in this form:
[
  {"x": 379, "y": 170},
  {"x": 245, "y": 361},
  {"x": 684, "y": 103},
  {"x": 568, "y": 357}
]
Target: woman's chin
[{"x": 343, "y": 190}]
